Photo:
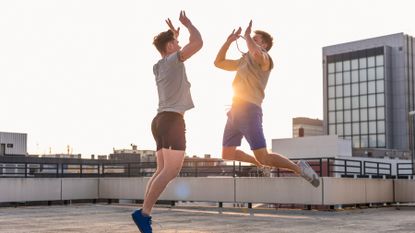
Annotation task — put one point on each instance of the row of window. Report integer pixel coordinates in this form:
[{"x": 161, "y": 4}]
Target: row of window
[
  {"x": 357, "y": 128},
  {"x": 354, "y": 76},
  {"x": 354, "y": 64},
  {"x": 367, "y": 141},
  {"x": 356, "y": 102},
  {"x": 357, "y": 115},
  {"x": 356, "y": 89}
]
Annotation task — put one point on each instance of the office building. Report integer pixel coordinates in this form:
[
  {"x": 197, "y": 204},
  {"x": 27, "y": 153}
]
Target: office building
[{"x": 369, "y": 92}]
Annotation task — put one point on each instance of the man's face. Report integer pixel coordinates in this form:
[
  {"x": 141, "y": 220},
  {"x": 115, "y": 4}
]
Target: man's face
[
  {"x": 258, "y": 40},
  {"x": 173, "y": 46}
]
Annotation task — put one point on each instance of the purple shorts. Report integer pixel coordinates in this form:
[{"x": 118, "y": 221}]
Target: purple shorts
[{"x": 244, "y": 120}]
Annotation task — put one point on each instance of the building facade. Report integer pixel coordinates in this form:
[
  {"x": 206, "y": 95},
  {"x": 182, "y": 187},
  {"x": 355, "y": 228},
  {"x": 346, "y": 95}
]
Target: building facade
[
  {"x": 305, "y": 127},
  {"x": 13, "y": 144},
  {"x": 369, "y": 92}
]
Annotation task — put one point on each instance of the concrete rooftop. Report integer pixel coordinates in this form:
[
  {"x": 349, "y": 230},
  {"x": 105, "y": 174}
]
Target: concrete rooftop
[{"x": 116, "y": 218}]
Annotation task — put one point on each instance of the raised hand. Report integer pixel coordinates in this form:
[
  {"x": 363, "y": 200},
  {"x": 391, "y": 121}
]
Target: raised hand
[
  {"x": 175, "y": 31},
  {"x": 184, "y": 20},
  {"x": 234, "y": 35},
  {"x": 248, "y": 29}
]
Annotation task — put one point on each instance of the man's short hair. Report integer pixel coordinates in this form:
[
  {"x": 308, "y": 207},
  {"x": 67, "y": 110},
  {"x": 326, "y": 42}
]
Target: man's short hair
[
  {"x": 161, "y": 40},
  {"x": 266, "y": 37}
]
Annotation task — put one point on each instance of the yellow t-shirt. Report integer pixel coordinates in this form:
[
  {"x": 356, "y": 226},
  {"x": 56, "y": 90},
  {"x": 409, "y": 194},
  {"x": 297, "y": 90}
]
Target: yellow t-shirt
[{"x": 250, "y": 80}]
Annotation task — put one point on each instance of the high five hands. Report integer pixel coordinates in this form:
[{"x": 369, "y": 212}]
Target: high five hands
[{"x": 183, "y": 19}]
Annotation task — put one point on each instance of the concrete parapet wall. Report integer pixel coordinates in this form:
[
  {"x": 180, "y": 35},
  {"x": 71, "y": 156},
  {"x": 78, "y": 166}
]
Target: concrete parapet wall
[
  {"x": 79, "y": 188},
  {"x": 283, "y": 190},
  {"x": 215, "y": 189},
  {"x": 338, "y": 191},
  {"x": 30, "y": 189},
  {"x": 122, "y": 188},
  {"x": 405, "y": 190}
]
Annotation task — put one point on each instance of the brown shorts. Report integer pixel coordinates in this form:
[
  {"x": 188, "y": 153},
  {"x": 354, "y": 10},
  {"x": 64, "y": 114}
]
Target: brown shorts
[{"x": 168, "y": 130}]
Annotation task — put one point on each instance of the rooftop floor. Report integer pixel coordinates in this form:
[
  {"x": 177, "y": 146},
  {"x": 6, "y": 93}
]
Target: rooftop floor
[{"x": 116, "y": 218}]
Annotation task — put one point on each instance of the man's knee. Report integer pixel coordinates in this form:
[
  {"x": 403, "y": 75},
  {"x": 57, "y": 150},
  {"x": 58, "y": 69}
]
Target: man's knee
[
  {"x": 261, "y": 155},
  {"x": 228, "y": 153}
]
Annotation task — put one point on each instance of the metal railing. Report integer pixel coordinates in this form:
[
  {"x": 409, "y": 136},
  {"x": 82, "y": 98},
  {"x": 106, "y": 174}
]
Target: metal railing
[
  {"x": 404, "y": 170},
  {"x": 325, "y": 167}
]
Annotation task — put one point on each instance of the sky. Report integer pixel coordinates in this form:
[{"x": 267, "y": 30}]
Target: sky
[{"x": 79, "y": 72}]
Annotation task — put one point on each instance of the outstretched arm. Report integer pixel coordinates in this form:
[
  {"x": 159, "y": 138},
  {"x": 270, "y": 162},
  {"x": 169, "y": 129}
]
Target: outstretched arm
[
  {"x": 221, "y": 62},
  {"x": 195, "y": 39},
  {"x": 260, "y": 56}
]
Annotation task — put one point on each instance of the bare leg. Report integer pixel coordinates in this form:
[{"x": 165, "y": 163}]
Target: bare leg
[
  {"x": 160, "y": 165},
  {"x": 231, "y": 153},
  {"x": 275, "y": 160},
  {"x": 173, "y": 161}
]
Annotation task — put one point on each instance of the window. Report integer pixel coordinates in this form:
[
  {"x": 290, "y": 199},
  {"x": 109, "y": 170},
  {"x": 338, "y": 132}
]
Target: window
[
  {"x": 381, "y": 126},
  {"x": 355, "y": 76},
  {"x": 379, "y": 60},
  {"x": 348, "y": 129},
  {"x": 346, "y": 77},
  {"x": 339, "y": 117},
  {"x": 379, "y": 86},
  {"x": 371, "y": 74},
  {"x": 379, "y": 72},
  {"x": 372, "y": 100},
  {"x": 364, "y": 141},
  {"x": 372, "y": 113},
  {"x": 363, "y": 101},
  {"x": 339, "y": 91},
  {"x": 381, "y": 113},
  {"x": 347, "y": 116},
  {"x": 371, "y": 87},
  {"x": 380, "y": 99},
  {"x": 331, "y": 80},
  {"x": 363, "y": 114},
  {"x": 355, "y": 89},
  {"x": 332, "y": 117},
  {"x": 372, "y": 140},
  {"x": 363, "y": 88},
  {"x": 347, "y": 104},
  {"x": 331, "y": 105},
  {"x": 381, "y": 140},
  {"x": 331, "y": 67},
  {"x": 331, "y": 92},
  {"x": 362, "y": 63},
  {"x": 355, "y": 64},
  {"x": 371, "y": 61},
  {"x": 339, "y": 67},
  {"x": 363, "y": 128},
  {"x": 372, "y": 127},
  {"x": 339, "y": 104},
  {"x": 362, "y": 75},
  {"x": 9, "y": 145},
  {"x": 339, "y": 78},
  {"x": 355, "y": 115},
  {"x": 346, "y": 65}
]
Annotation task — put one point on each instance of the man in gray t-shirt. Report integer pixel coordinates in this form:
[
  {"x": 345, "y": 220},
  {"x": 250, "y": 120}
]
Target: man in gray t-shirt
[{"x": 168, "y": 127}]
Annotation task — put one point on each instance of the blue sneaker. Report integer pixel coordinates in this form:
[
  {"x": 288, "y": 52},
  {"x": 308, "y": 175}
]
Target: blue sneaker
[{"x": 142, "y": 221}]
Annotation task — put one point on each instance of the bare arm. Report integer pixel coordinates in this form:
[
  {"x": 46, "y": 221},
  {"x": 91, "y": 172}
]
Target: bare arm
[
  {"x": 195, "y": 39},
  {"x": 256, "y": 52},
  {"x": 221, "y": 62}
]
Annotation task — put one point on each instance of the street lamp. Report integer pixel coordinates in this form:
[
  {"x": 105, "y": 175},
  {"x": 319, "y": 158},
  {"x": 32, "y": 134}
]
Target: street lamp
[{"x": 411, "y": 142}]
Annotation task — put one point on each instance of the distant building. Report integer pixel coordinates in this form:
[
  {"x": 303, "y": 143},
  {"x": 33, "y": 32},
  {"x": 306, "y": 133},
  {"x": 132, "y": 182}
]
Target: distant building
[
  {"x": 13, "y": 144},
  {"x": 369, "y": 91},
  {"x": 304, "y": 127},
  {"x": 63, "y": 156}
]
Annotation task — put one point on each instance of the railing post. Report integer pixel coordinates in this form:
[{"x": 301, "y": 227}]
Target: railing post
[
  {"x": 234, "y": 175},
  {"x": 321, "y": 166},
  {"x": 377, "y": 169},
  {"x": 80, "y": 170},
  {"x": 57, "y": 170},
  {"x": 345, "y": 167},
  {"x": 103, "y": 169},
  {"x": 328, "y": 167},
  {"x": 129, "y": 169},
  {"x": 25, "y": 170},
  {"x": 196, "y": 168}
]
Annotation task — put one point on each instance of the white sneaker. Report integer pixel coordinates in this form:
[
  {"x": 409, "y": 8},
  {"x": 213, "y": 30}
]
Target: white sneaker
[{"x": 308, "y": 173}]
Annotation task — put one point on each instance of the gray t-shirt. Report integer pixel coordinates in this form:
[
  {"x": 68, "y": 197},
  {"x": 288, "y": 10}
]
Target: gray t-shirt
[{"x": 172, "y": 85}]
